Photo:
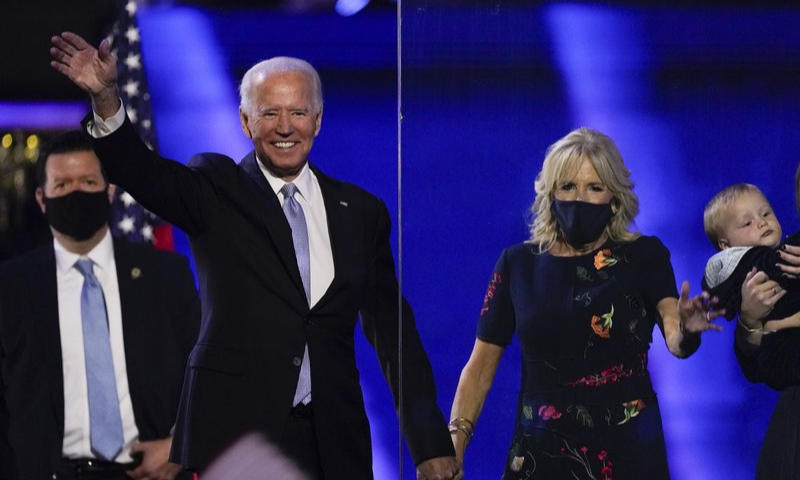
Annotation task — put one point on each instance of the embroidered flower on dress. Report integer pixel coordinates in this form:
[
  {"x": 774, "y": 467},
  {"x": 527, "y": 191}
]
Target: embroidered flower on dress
[
  {"x": 582, "y": 415},
  {"x": 604, "y": 259},
  {"x": 632, "y": 409},
  {"x": 584, "y": 462},
  {"x": 612, "y": 374},
  {"x": 527, "y": 412},
  {"x": 496, "y": 280},
  {"x": 602, "y": 325},
  {"x": 547, "y": 412}
]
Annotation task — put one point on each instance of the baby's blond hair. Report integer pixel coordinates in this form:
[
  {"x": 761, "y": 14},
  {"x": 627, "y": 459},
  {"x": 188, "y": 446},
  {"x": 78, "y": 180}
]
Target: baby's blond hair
[{"x": 714, "y": 215}]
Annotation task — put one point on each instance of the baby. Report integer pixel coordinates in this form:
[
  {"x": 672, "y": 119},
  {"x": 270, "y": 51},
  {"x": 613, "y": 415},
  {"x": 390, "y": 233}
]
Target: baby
[{"x": 740, "y": 223}]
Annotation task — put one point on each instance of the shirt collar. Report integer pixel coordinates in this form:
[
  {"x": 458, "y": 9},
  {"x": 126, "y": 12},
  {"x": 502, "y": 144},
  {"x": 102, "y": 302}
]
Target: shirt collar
[
  {"x": 101, "y": 255},
  {"x": 303, "y": 182}
]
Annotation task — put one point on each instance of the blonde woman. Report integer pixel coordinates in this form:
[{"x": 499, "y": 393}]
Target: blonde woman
[{"x": 583, "y": 295}]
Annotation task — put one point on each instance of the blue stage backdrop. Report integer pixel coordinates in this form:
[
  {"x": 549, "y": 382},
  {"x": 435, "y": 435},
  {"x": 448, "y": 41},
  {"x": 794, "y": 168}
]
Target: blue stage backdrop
[{"x": 697, "y": 99}]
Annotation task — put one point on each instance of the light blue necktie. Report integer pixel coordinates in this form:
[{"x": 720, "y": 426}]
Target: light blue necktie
[
  {"x": 297, "y": 221},
  {"x": 105, "y": 423}
]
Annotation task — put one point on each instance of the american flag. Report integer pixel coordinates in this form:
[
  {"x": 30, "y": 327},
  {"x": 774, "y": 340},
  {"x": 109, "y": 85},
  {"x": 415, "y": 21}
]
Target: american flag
[{"x": 129, "y": 219}]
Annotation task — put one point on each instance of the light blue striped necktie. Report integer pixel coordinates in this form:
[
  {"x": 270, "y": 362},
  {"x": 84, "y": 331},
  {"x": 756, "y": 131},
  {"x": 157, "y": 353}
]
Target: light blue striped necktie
[
  {"x": 105, "y": 423},
  {"x": 297, "y": 221}
]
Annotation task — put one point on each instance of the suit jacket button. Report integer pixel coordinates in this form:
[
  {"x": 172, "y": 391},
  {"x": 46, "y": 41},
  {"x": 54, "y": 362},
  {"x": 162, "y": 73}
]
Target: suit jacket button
[
  {"x": 297, "y": 361},
  {"x": 308, "y": 321}
]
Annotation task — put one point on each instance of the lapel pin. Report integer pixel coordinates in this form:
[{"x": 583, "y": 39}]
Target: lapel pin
[
  {"x": 343, "y": 203},
  {"x": 136, "y": 272}
]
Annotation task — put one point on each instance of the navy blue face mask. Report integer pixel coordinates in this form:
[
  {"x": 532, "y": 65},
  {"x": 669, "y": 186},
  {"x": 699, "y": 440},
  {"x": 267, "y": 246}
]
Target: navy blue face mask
[{"x": 581, "y": 223}]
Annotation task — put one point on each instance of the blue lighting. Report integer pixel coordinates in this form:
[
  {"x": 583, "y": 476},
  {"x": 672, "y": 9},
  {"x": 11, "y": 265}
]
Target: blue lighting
[
  {"x": 347, "y": 8},
  {"x": 42, "y": 115}
]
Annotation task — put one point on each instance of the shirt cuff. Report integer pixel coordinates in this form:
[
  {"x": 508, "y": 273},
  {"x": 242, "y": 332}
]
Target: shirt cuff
[
  {"x": 742, "y": 343},
  {"x": 99, "y": 128}
]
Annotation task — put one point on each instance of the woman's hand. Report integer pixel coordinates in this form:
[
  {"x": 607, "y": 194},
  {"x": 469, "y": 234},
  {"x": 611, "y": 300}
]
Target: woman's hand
[
  {"x": 684, "y": 319},
  {"x": 759, "y": 296},
  {"x": 790, "y": 265},
  {"x": 695, "y": 314}
]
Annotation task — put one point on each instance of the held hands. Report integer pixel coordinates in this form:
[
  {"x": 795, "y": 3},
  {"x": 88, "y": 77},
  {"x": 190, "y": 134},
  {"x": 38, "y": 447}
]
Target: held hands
[
  {"x": 695, "y": 314},
  {"x": 93, "y": 70},
  {"x": 460, "y": 446},
  {"x": 439, "y": 468},
  {"x": 155, "y": 461}
]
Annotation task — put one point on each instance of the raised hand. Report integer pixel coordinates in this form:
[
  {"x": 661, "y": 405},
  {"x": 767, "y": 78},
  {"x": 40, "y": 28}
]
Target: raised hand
[
  {"x": 91, "y": 69},
  {"x": 695, "y": 314}
]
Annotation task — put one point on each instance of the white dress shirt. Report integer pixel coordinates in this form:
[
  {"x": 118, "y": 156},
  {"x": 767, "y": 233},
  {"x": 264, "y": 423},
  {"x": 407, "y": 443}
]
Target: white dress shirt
[
  {"x": 100, "y": 127},
  {"x": 309, "y": 196},
  {"x": 77, "y": 441}
]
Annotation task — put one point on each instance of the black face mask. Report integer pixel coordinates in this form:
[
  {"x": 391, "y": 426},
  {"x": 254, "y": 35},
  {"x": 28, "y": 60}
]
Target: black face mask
[
  {"x": 581, "y": 222},
  {"x": 78, "y": 214}
]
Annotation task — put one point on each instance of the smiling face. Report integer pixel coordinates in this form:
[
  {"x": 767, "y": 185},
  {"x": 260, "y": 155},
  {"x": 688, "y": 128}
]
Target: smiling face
[
  {"x": 282, "y": 122},
  {"x": 750, "y": 221}
]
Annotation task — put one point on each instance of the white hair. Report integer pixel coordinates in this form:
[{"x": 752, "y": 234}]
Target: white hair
[{"x": 276, "y": 65}]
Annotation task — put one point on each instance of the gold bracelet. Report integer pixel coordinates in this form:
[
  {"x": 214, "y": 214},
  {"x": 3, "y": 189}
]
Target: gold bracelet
[
  {"x": 469, "y": 423},
  {"x": 462, "y": 425},
  {"x": 749, "y": 330},
  {"x": 458, "y": 428}
]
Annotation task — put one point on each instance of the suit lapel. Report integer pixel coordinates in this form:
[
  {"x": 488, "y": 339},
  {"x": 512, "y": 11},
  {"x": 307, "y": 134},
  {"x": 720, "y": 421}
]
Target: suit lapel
[
  {"x": 43, "y": 284},
  {"x": 335, "y": 207},
  {"x": 274, "y": 221},
  {"x": 131, "y": 303}
]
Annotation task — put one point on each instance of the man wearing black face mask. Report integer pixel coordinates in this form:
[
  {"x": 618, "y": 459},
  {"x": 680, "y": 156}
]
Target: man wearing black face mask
[{"x": 94, "y": 337}]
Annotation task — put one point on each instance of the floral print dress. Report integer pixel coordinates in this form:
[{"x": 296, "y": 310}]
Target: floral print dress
[{"x": 586, "y": 408}]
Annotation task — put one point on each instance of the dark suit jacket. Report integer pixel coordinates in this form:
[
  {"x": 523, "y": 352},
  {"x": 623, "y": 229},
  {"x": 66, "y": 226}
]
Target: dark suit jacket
[
  {"x": 160, "y": 320},
  {"x": 243, "y": 372},
  {"x": 776, "y": 362}
]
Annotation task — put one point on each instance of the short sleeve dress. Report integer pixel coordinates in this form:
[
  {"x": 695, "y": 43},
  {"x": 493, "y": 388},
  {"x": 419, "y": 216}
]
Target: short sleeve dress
[{"x": 586, "y": 408}]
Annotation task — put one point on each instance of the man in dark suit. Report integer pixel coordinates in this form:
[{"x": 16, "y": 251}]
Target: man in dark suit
[
  {"x": 280, "y": 302},
  {"x": 150, "y": 315}
]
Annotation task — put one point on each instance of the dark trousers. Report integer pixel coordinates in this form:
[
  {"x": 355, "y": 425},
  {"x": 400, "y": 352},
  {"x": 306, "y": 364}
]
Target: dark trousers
[
  {"x": 79, "y": 469},
  {"x": 299, "y": 441},
  {"x": 85, "y": 469}
]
